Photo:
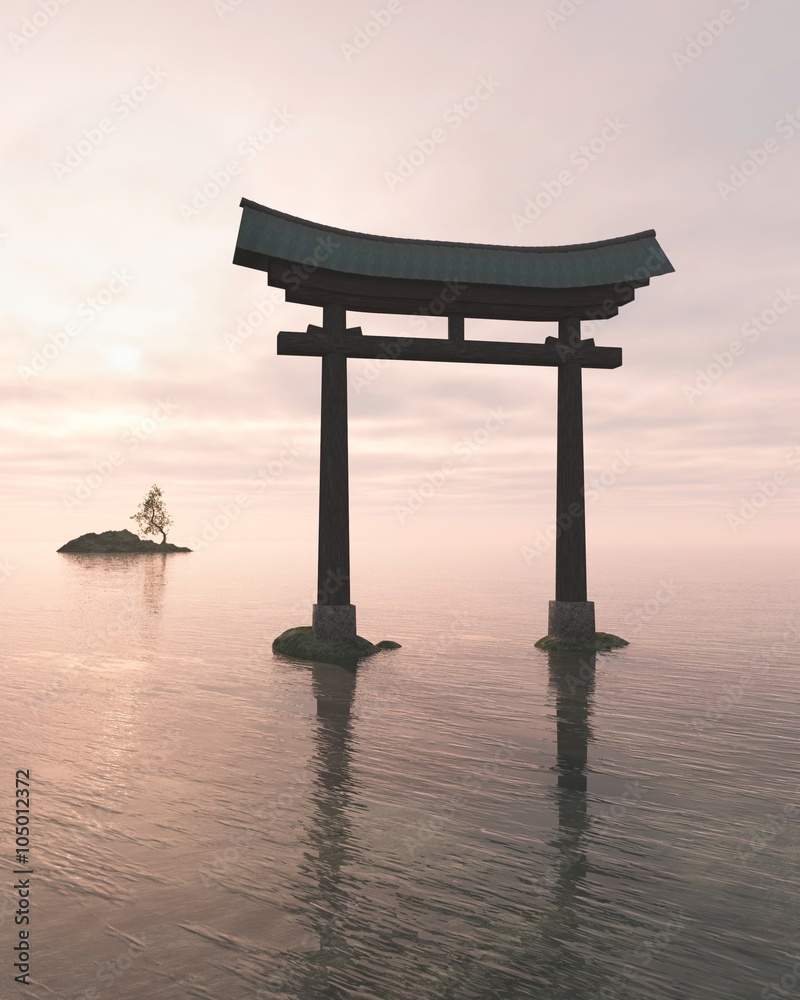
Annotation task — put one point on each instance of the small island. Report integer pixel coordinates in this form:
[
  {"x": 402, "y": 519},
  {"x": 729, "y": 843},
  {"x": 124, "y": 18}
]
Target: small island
[
  {"x": 117, "y": 541},
  {"x": 152, "y": 518}
]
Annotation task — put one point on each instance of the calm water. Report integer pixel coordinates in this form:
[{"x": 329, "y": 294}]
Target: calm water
[{"x": 465, "y": 817}]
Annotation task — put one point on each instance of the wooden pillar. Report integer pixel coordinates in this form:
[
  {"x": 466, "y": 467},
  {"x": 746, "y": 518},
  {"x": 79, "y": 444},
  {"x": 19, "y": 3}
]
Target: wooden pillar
[
  {"x": 455, "y": 329},
  {"x": 333, "y": 558},
  {"x": 570, "y": 509}
]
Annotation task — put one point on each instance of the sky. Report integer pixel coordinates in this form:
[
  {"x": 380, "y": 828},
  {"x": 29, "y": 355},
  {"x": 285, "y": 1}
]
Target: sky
[{"x": 134, "y": 352}]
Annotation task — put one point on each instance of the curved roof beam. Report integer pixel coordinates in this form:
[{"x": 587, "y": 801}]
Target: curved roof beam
[{"x": 319, "y": 265}]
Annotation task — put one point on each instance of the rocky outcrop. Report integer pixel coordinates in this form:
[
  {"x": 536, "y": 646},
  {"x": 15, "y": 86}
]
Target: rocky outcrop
[
  {"x": 602, "y": 641},
  {"x": 117, "y": 541},
  {"x": 304, "y": 645}
]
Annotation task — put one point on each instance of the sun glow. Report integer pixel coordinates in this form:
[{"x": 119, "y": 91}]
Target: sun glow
[{"x": 123, "y": 357}]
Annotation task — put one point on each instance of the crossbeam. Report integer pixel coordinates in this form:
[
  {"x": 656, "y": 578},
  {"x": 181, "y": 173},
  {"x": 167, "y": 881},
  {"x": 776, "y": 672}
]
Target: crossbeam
[{"x": 353, "y": 344}]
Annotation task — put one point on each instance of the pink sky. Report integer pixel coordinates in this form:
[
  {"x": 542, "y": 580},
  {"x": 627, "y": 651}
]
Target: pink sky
[{"x": 623, "y": 117}]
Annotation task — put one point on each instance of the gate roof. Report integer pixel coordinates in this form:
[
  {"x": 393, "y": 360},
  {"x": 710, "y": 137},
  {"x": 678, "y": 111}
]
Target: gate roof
[{"x": 319, "y": 264}]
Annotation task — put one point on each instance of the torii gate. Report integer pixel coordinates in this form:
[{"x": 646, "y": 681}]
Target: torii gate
[{"x": 340, "y": 270}]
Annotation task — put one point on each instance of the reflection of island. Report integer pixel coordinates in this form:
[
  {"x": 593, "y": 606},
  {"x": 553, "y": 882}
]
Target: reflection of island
[
  {"x": 117, "y": 541},
  {"x": 154, "y": 579},
  {"x": 118, "y": 596}
]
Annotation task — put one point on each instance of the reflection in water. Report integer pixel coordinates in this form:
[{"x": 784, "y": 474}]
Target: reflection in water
[
  {"x": 548, "y": 944},
  {"x": 154, "y": 579},
  {"x": 530, "y": 887},
  {"x": 571, "y": 680},
  {"x": 134, "y": 584},
  {"x": 329, "y": 829},
  {"x": 117, "y": 601},
  {"x": 552, "y": 948}
]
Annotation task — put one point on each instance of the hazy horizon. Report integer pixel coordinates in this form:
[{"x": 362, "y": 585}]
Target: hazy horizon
[{"x": 129, "y": 148}]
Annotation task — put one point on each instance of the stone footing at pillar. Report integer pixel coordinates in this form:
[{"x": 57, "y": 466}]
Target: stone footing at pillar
[
  {"x": 571, "y": 619},
  {"x": 303, "y": 644},
  {"x": 334, "y": 621},
  {"x": 571, "y": 626}
]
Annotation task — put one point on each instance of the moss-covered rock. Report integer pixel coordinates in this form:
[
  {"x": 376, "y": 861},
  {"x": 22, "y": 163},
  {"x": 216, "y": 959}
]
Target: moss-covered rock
[
  {"x": 301, "y": 643},
  {"x": 601, "y": 641},
  {"x": 117, "y": 541}
]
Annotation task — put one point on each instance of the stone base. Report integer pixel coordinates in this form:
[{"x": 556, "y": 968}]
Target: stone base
[
  {"x": 303, "y": 644},
  {"x": 571, "y": 619},
  {"x": 334, "y": 621},
  {"x": 599, "y": 641}
]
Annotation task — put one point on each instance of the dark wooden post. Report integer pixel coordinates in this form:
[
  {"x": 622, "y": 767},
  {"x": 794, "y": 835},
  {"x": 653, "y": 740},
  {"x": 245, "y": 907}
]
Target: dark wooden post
[
  {"x": 333, "y": 560},
  {"x": 571, "y": 615},
  {"x": 570, "y": 510},
  {"x": 455, "y": 329}
]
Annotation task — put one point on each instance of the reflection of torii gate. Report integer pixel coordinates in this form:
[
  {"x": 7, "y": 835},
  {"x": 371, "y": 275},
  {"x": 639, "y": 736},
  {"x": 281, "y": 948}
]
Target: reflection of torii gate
[{"x": 341, "y": 270}]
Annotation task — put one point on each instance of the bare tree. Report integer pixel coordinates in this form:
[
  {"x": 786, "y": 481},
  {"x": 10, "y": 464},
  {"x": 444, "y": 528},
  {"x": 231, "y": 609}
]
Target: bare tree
[{"x": 152, "y": 516}]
